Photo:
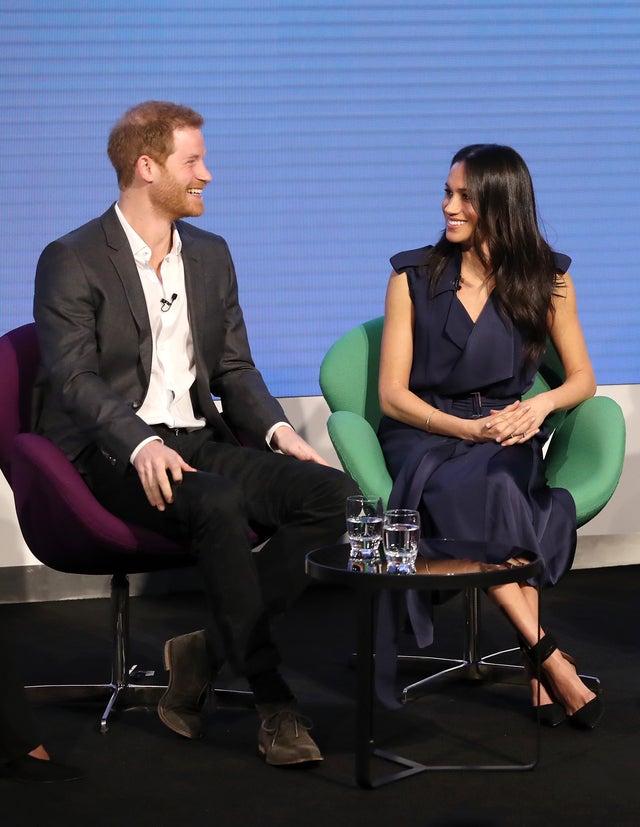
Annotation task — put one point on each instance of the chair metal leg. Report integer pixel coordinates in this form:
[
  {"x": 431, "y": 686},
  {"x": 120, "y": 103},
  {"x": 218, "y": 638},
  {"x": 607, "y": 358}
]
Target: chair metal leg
[
  {"x": 125, "y": 694},
  {"x": 472, "y": 666},
  {"x": 122, "y": 692}
]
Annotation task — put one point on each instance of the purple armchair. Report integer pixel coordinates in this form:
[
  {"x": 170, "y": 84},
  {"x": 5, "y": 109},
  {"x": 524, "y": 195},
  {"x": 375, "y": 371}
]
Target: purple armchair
[{"x": 67, "y": 529}]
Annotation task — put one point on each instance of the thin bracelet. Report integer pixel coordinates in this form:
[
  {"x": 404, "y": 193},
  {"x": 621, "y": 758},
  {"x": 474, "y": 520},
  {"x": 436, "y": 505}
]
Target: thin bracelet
[{"x": 427, "y": 423}]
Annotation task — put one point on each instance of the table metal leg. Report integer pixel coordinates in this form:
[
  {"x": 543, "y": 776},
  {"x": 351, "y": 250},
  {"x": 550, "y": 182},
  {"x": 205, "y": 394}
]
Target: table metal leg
[
  {"x": 365, "y": 676},
  {"x": 364, "y": 690},
  {"x": 365, "y": 737}
]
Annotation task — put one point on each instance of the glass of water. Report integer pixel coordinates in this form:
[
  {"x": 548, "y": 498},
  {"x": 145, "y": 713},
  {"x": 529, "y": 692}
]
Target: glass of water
[
  {"x": 401, "y": 533},
  {"x": 364, "y": 527}
]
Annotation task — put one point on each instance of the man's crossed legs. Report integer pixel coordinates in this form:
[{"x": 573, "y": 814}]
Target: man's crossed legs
[{"x": 300, "y": 506}]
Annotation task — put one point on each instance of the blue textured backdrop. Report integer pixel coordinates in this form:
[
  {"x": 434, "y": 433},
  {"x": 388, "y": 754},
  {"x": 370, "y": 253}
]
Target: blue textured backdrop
[{"x": 329, "y": 129}]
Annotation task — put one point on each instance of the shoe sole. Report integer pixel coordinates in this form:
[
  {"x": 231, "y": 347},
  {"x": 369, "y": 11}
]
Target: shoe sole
[
  {"x": 185, "y": 733},
  {"x": 293, "y": 763}
]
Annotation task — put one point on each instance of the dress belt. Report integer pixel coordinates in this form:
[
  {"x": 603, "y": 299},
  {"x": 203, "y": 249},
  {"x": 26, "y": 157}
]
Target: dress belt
[{"x": 474, "y": 403}]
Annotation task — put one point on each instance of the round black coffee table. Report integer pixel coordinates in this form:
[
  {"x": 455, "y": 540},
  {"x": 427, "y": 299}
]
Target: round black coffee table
[{"x": 463, "y": 571}]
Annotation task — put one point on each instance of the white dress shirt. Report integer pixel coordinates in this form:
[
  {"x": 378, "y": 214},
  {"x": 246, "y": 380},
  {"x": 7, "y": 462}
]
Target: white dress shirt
[{"x": 168, "y": 399}]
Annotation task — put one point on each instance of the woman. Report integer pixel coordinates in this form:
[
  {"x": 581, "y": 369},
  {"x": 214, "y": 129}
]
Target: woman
[
  {"x": 466, "y": 323},
  {"x": 22, "y": 755}
]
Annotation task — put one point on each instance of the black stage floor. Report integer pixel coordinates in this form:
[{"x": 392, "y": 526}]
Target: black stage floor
[{"x": 142, "y": 775}]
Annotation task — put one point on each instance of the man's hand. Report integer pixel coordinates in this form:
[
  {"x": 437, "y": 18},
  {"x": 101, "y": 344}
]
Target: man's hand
[
  {"x": 289, "y": 442},
  {"x": 152, "y": 462}
]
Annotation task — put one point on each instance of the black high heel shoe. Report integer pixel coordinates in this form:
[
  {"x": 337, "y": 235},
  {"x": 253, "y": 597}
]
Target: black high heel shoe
[
  {"x": 588, "y": 716},
  {"x": 552, "y": 714}
]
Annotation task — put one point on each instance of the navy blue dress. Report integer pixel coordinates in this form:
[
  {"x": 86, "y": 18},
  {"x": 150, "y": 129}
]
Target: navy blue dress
[{"x": 466, "y": 490}]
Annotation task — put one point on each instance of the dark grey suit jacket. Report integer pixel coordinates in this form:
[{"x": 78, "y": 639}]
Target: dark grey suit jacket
[{"x": 95, "y": 337}]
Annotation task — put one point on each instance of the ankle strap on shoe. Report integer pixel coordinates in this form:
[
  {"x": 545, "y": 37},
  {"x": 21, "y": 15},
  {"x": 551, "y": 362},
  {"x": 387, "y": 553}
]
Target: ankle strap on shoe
[{"x": 542, "y": 650}]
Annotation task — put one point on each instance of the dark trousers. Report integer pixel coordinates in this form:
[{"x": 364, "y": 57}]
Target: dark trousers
[
  {"x": 299, "y": 504},
  {"x": 18, "y": 729}
]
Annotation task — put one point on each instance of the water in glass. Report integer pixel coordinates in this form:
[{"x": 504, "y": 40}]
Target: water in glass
[
  {"x": 365, "y": 536},
  {"x": 401, "y": 546},
  {"x": 364, "y": 526}
]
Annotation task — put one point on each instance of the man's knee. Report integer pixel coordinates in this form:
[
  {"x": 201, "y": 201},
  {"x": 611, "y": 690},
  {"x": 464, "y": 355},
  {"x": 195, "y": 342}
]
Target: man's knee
[
  {"x": 350, "y": 486},
  {"x": 211, "y": 497},
  {"x": 330, "y": 491}
]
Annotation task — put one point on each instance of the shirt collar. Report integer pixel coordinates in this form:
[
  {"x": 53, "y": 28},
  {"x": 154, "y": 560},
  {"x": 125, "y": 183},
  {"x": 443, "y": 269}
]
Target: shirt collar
[{"x": 140, "y": 249}]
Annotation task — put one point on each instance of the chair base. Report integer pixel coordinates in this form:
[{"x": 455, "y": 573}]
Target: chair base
[
  {"x": 125, "y": 696},
  {"x": 481, "y": 669},
  {"x": 122, "y": 692},
  {"x": 493, "y": 668}
]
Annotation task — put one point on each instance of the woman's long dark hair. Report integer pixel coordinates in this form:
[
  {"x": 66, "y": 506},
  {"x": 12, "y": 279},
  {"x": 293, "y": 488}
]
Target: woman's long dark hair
[{"x": 501, "y": 192}]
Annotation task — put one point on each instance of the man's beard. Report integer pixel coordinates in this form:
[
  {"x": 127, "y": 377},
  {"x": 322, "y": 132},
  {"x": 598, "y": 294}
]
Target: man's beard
[{"x": 171, "y": 198}]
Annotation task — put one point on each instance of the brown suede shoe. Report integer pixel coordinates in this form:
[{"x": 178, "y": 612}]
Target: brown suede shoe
[
  {"x": 284, "y": 737},
  {"x": 182, "y": 707}
]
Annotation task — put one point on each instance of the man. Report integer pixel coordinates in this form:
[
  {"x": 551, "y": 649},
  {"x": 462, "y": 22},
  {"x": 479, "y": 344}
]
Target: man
[{"x": 139, "y": 323}]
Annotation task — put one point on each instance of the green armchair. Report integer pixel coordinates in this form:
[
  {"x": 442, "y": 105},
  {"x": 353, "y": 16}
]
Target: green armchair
[{"x": 585, "y": 454}]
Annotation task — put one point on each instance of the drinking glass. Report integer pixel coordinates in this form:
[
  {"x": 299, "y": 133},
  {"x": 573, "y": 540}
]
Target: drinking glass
[
  {"x": 364, "y": 527},
  {"x": 401, "y": 533}
]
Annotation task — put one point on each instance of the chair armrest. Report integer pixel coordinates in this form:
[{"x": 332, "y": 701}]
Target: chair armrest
[
  {"x": 52, "y": 499},
  {"x": 359, "y": 451},
  {"x": 66, "y": 528},
  {"x": 586, "y": 454}
]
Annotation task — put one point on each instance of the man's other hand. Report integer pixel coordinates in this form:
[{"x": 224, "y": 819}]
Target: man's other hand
[{"x": 289, "y": 442}]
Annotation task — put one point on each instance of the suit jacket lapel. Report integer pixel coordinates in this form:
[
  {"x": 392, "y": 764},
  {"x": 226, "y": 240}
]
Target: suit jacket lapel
[
  {"x": 125, "y": 266},
  {"x": 194, "y": 286},
  {"x": 199, "y": 316}
]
